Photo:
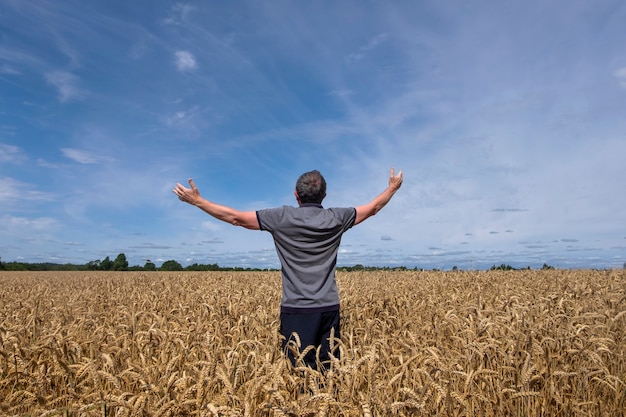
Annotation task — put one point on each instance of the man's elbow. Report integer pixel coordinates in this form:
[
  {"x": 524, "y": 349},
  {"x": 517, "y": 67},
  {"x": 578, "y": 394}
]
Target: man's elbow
[{"x": 245, "y": 224}]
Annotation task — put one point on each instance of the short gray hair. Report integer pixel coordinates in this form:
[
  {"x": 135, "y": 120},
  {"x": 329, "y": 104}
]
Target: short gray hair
[{"x": 311, "y": 187}]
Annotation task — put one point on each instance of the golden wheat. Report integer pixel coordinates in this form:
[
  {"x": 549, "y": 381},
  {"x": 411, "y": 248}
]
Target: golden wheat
[{"x": 493, "y": 343}]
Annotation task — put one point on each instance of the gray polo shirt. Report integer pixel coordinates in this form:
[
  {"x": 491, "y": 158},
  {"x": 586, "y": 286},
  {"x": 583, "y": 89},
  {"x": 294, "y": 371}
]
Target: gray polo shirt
[{"x": 307, "y": 240}]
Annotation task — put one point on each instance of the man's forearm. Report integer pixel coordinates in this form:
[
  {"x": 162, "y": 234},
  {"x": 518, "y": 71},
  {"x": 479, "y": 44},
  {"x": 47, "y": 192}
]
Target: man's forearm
[
  {"x": 247, "y": 219},
  {"x": 220, "y": 212},
  {"x": 382, "y": 199},
  {"x": 374, "y": 206}
]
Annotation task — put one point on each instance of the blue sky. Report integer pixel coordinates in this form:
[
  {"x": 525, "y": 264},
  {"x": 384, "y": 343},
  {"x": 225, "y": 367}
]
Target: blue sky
[{"x": 507, "y": 119}]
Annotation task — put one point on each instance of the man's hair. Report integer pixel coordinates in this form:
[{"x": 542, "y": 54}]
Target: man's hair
[{"x": 311, "y": 187}]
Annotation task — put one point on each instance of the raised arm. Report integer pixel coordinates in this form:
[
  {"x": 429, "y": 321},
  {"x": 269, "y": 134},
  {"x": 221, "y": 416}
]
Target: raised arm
[
  {"x": 192, "y": 196},
  {"x": 368, "y": 210}
]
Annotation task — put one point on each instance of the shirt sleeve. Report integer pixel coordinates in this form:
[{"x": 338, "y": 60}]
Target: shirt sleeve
[
  {"x": 268, "y": 218},
  {"x": 351, "y": 217},
  {"x": 258, "y": 219}
]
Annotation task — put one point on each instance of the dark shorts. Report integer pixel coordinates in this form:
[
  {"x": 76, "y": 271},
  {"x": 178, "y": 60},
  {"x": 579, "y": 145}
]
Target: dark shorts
[{"x": 313, "y": 329}]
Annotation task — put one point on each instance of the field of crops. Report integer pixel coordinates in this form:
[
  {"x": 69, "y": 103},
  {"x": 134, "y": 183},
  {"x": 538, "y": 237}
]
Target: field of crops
[{"x": 514, "y": 343}]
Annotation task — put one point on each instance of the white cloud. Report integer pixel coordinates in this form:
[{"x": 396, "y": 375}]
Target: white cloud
[
  {"x": 6, "y": 69},
  {"x": 12, "y": 190},
  {"x": 372, "y": 44},
  {"x": 620, "y": 74},
  {"x": 183, "y": 118},
  {"x": 341, "y": 92},
  {"x": 178, "y": 14},
  {"x": 45, "y": 164},
  {"x": 211, "y": 226},
  {"x": 185, "y": 61},
  {"x": 79, "y": 156},
  {"x": 67, "y": 85},
  {"x": 10, "y": 153},
  {"x": 25, "y": 225}
]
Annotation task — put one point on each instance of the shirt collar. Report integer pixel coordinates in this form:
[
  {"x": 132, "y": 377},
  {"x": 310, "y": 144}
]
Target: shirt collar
[{"x": 311, "y": 205}]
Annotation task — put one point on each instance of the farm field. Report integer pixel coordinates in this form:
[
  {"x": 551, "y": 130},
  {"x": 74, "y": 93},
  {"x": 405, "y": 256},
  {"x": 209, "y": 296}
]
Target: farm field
[{"x": 480, "y": 343}]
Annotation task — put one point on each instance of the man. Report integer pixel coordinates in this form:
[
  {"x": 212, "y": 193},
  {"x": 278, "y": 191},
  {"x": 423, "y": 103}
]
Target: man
[{"x": 307, "y": 240}]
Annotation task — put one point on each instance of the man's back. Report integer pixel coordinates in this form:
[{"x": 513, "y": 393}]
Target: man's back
[{"x": 307, "y": 240}]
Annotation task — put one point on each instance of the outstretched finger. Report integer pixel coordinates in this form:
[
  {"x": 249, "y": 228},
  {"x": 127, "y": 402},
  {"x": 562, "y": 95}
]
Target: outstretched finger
[{"x": 193, "y": 185}]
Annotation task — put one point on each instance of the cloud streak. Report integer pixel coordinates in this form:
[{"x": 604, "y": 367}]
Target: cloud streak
[
  {"x": 80, "y": 156},
  {"x": 620, "y": 74},
  {"x": 67, "y": 85}
]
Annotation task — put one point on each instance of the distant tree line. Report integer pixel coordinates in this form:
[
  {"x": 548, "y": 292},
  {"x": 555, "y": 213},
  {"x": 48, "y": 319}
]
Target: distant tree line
[
  {"x": 359, "y": 267},
  {"x": 505, "y": 267},
  {"x": 120, "y": 263}
]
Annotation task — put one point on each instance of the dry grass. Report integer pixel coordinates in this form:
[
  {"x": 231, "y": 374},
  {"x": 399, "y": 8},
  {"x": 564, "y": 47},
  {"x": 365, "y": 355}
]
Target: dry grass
[{"x": 518, "y": 343}]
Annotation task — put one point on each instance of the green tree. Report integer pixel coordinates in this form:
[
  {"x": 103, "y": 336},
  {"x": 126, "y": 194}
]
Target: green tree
[
  {"x": 502, "y": 267},
  {"x": 203, "y": 267},
  {"x": 16, "y": 266},
  {"x": 120, "y": 263},
  {"x": 93, "y": 265},
  {"x": 149, "y": 266},
  {"x": 171, "y": 265},
  {"x": 106, "y": 264}
]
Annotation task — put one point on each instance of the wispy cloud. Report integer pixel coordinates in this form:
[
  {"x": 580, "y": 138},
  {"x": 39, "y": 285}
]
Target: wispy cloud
[
  {"x": 46, "y": 164},
  {"x": 80, "y": 156},
  {"x": 508, "y": 210},
  {"x": 364, "y": 49},
  {"x": 67, "y": 85},
  {"x": 185, "y": 61},
  {"x": 11, "y": 154},
  {"x": 148, "y": 245},
  {"x": 9, "y": 70},
  {"x": 27, "y": 225},
  {"x": 620, "y": 74},
  {"x": 211, "y": 226},
  {"x": 13, "y": 191},
  {"x": 342, "y": 93},
  {"x": 213, "y": 241},
  {"x": 178, "y": 14},
  {"x": 182, "y": 117}
]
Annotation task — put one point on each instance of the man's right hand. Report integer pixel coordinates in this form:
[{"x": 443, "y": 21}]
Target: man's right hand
[{"x": 395, "y": 181}]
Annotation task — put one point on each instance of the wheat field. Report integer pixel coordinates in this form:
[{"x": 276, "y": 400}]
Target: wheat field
[{"x": 495, "y": 343}]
